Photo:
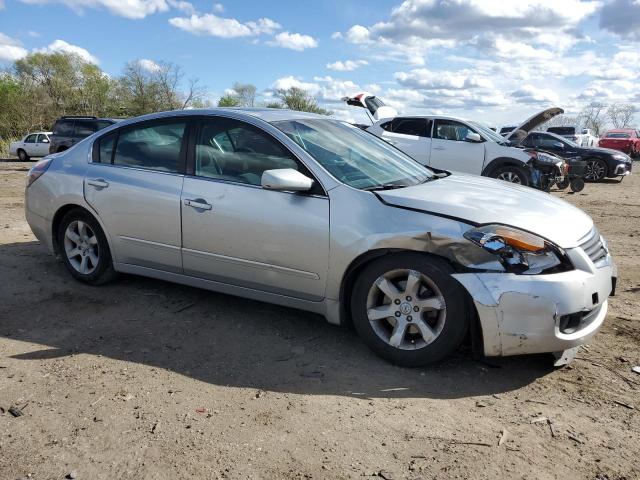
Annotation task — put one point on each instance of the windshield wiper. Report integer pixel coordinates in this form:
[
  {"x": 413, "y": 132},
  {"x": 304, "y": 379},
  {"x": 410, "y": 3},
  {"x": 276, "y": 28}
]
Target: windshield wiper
[{"x": 384, "y": 186}]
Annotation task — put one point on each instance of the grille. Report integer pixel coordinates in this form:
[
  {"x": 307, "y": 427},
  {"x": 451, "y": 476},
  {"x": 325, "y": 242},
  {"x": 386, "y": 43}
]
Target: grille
[{"x": 593, "y": 246}]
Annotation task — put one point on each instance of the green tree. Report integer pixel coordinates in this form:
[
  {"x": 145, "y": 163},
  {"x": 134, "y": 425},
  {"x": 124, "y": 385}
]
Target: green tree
[
  {"x": 229, "y": 100},
  {"x": 296, "y": 98}
]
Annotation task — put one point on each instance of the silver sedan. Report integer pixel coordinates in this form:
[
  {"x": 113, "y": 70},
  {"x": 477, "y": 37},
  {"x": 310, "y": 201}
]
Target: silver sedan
[{"x": 316, "y": 214}]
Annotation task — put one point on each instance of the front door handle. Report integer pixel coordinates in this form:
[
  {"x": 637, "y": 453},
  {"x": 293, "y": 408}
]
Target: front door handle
[
  {"x": 198, "y": 203},
  {"x": 98, "y": 183},
  {"x": 439, "y": 148}
]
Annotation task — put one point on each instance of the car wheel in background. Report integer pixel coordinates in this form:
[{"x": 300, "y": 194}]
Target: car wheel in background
[
  {"x": 562, "y": 184},
  {"x": 22, "y": 155},
  {"x": 84, "y": 248},
  {"x": 409, "y": 309},
  {"x": 596, "y": 170},
  {"x": 511, "y": 174}
]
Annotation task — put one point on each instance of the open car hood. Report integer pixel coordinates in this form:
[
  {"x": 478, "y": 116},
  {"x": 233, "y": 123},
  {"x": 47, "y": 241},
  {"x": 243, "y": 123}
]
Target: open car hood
[
  {"x": 373, "y": 104},
  {"x": 535, "y": 121}
]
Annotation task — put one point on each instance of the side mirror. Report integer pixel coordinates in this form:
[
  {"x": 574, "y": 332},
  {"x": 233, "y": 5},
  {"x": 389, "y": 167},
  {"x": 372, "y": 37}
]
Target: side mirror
[
  {"x": 473, "y": 137},
  {"x": 286, "y": 179},
  {"x": 45, "y": 140}
]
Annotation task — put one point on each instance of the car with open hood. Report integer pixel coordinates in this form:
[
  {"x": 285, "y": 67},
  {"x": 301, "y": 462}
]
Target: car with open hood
[
  {"x": 451, "y": 143},
  {"x": 314, "y": 213}
]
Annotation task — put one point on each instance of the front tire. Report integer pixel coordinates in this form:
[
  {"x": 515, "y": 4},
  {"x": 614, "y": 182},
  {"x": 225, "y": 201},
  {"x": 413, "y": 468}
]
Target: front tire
[
  {"x": 84, "y": 248},
  {"x": 511, "y": 174},
  {"x": 409, "y": 310},
  {"x": 596, "y": 170},
  {"x": 22, "y": 156}
]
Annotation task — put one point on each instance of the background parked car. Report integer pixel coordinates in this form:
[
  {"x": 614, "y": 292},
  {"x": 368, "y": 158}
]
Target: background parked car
[
  {"x": 626, "y": 140},
  {"x": 505, "y": 130},
  {"x": 32, "y": 145},
  {"x": 580, "y": 136},
  {"x": 67, "y": 131},
  {"x": 600, "y": 162}
]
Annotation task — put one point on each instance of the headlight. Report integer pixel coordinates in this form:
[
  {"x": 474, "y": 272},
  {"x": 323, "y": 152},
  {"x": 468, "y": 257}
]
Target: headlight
[
  {"x": 543, "y": 157},
  {"x": 519, "y": 251}
]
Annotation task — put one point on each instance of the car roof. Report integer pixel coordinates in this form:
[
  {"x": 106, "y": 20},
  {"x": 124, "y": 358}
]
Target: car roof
[{"x": 38, "y": 133}]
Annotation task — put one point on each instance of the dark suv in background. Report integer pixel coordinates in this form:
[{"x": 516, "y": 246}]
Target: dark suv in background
[{"x": 67, "y": 131}]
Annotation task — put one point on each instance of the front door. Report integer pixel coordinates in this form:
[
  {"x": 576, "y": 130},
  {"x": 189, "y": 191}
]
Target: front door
[
  {"x": 134, "y": 184},
  {"x": 412, "y": 135},
  {"x": 236, "y": 232},
  {"x": 450, "y": 150}
]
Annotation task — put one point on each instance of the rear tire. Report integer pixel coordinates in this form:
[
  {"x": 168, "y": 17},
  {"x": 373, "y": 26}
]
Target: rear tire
[
  {"x": 409, "y": 310},
  {"x": 22, "y": 155},
  {"x": 511, "y": 174},
  {"x": 84, "y": 248}
]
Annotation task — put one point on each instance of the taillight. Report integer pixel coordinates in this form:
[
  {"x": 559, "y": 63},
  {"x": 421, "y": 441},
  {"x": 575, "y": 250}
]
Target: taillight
[{"x": 38, "y": 170}]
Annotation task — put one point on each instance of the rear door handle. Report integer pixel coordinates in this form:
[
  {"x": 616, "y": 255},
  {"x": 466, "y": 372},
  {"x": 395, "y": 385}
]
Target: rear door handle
[
  {"x": 198, "y": 203},
  {"x": 98, "y": 183}
]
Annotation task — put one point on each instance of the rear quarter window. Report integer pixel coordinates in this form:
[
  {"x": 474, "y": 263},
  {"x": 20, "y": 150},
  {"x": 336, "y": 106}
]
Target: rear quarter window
[{"x": 63, "y": 127}]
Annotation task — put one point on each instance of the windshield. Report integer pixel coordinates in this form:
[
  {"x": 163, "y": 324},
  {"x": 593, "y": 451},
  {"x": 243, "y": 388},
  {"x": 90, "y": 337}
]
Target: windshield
[
  {"x": 564, "y": 140},
  {"x": 488, "y": 133},
  {"x": 353, "y": 156},
  {"x": 562, "y": 130},
  {"x": 618, "y": 135}
]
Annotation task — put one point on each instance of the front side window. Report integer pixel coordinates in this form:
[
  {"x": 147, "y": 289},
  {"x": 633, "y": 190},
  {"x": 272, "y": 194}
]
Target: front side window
[
  {"x": 231, "y": 150},
  {"x": 155, "y": 147},
  {"x": 353, "y": 156},
  {"x": 451, "y": 130},
  {"x": 42, "y": 138}
]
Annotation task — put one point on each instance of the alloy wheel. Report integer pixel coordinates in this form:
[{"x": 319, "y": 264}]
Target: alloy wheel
[
  {"x": 81, "y": 247},
  {"x": 406, "y": 309},
  {"x": 595, "y": 170},
  {"x": 511, "y": 177}
]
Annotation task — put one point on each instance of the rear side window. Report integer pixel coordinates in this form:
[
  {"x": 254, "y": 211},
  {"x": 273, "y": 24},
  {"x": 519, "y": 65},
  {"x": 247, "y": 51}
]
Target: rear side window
[
  {"x": 562, "y": 130},
  {"x": 84, "y": 128},
  {"x": 155, "y": 147},
  {"x": 63, "y": 127},
  {"x": 418, "y": 127},
  {"x": 105, "y": 149}
]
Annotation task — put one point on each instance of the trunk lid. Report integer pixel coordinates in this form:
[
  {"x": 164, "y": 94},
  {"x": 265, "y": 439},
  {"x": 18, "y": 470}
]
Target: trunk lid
[
  {"x": 376, "y": 107},
  {"x": 535, "y": 121}
]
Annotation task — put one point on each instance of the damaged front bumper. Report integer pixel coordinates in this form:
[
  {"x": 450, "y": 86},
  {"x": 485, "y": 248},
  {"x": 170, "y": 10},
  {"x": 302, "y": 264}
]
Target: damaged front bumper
[{"x": 521, "y": 314}]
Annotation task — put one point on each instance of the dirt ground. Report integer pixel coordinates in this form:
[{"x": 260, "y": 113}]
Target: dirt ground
[{"x": 142, "y": 379}]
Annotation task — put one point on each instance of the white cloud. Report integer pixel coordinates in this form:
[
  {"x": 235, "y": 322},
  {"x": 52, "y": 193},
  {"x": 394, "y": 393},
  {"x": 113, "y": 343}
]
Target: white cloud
[
  {"x": 423, "y": 78},
  {"x": 347, "y": 65},
  {"x": 183, "y": 6},
  {"x": 293, "y": 41},
  {"x": 58, "y": 46},
  {"x": 11, "y": 49},
  {"x": 134, "y": 9},
  {"x": 531, "y": 94},
  {"x": 286, "y": 83},
  {"x": 149, "y": 65},
  {"x": 214, "y": 26},
  {"x": 622, "y": 18},
  {"x": 218, "y": 7}
]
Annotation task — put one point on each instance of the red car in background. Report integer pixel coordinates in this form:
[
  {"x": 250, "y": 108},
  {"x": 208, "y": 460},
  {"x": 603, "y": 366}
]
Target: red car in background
[{"x": 626, "y": 140}]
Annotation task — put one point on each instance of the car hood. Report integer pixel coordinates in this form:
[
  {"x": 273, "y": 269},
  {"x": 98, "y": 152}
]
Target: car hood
[
  {"x": 597, "y": 151},
  {"x": 535, "y": 121},
  {"x": 481, "y": 200}
]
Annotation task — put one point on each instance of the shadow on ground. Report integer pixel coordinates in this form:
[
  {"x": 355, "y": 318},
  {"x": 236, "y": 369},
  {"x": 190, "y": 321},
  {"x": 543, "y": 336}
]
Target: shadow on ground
[{"x": 219, "y": 339}]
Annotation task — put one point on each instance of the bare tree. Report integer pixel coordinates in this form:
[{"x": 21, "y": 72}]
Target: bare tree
[
  {"x": 246, "y": 93},
  {"x": 621, "y": 114},
  {"x": 593, "y": 117}
]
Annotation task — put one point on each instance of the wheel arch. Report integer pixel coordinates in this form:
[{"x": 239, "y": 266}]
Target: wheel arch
[
  {"x": 500, "y": 162},
  {"x": 59, "y": 215},
  {"x": 364, "y": 259}
]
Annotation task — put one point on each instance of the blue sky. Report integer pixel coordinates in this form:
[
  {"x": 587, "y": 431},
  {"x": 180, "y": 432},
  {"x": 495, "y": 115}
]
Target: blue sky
[{"x": 495, "y": 61}]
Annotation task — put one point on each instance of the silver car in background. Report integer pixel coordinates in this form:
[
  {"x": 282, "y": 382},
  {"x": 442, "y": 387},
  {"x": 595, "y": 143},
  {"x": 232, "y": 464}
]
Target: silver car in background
[{"x": 313, "y": 213}]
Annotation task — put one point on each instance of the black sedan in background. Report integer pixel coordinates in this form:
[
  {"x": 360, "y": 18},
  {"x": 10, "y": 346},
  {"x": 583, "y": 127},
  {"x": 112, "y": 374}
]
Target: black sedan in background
[{"x": 601, "y": 162}]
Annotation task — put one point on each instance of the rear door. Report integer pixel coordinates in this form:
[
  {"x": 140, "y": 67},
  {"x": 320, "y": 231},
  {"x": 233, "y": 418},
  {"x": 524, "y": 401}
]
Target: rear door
[
  {"x": 29, "y": 145},
  {"x": 134, "y": 183},
  {"x": 412, "y": 135},
  {"x": 450, "y": 150},
  {"x": 236, "y": 232}
]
